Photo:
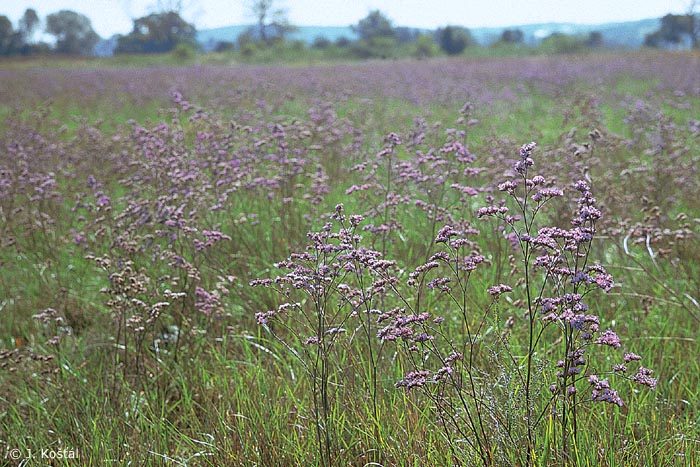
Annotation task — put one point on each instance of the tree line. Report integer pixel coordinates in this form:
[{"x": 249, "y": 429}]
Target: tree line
[
  {"x": 377, "y": 37},
  {"x": 73, "y": 33}
]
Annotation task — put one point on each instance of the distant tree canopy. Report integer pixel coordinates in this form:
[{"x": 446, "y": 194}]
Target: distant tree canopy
[
  {"x": 594, "y": 39},
  {"x": 373, "y": 26},
  {"x": 512, "y": 36},
  {"x": 673, "y": 30},
  {"x": 377, "y": 37},
  {"x": 157, "y": 33},
  {"x": 7, "y": 33},
  {"x": 560, "y": 43},
  {"x": 272, "y": 24},
  {"x": 28, "y": 24},
  {"x": 406, "y": 35},
  {"x": 14, "y": 42},
  {"x": 73, "y": 32},
  {"x": 454, "y": 39},
  {"x": 20, "y": 41}
]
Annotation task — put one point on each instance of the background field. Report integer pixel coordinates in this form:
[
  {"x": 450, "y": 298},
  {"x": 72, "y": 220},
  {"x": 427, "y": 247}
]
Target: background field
[{"x": 138, "y": 203}]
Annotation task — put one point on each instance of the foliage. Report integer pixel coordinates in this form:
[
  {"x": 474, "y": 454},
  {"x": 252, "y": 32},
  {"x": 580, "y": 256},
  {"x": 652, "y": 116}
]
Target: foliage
[
  {"x": 512, "y": 36},
  {"x": 376, "y": 47},
  {"x": 272, "y": 24},
  {"x": 559, "y": 43},
  {"x": 28, "y": 24},
  {"x": 6, "y": 35},
  {"x": 184, "y": 51},
  {"x": 375, "y": 25},
  {"x": 674, "y": 28},
  {"x": 73, "y": 31},
  {"x": 594, "y": 39},
  {"x": 321, "y": 42},
  {"x": 425, "y": 47},
  {"x": 224, "y": 46},
  {"x": 454, "y": 39},
  {"x": 20, "y": 41},
  {"x": 157, "y": 33}
]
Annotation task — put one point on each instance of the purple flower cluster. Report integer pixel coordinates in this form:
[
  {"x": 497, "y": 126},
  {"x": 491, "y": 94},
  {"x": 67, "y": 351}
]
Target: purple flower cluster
[{"x": 602, "y": 392}]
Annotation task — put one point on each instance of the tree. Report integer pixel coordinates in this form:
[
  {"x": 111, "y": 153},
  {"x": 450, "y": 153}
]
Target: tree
[
  {"x": 560, "y": 43},
  {"x": 406, "y": 35},
  {"x": 7, "y": 34},
  {"x": 28, "y": 24},
  {"x": 693, "y": 7},
  {"x": 454, "y": 39},
  {"x": 73, "y": 31},
  {"x": 673, "y": 30},
  {"x": 373, "y": 26},
  {"x": 157, "y": 33},
  {"x": 512, "y": 36},
  {"x": 271, "y": 23},
  {"x": 594, "y": 39},
  {"x": 425, "y": 47},
  {"x": 321, "y": 42},
  {"x": 224, "y": 46}
]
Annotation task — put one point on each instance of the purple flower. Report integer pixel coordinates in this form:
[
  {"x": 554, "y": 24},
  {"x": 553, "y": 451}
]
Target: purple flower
[
  {"x": 609, "y": 337},
  {"x": 643, "y": 377},
  {"x": 508, "y": 186},
  {"x": 414, "y": 379},
  {"x": 602, "y": 392},
  {"x": 526, "y": 150},
  {"x": 631, "y": 356},
  {"x": 491, "y": 211},
  {"x": 497, "y": 290}
]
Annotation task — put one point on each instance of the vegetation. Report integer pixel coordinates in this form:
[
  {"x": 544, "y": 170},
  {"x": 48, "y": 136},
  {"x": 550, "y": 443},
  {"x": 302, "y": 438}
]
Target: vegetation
[
  {"x": 338, "y": 265},
  {"x": 157, "y": 33},
  {"x": 268, "y": 40},
  {"x": 73, "y": 32},
  {"x": 674, "y": 30},
  {"x": 453, "y": 39},
  {"x": 272, "y": 24}
]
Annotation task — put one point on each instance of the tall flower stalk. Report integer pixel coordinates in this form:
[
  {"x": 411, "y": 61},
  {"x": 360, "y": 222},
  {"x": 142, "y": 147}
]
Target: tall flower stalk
[{"x": 559, "y": 275}]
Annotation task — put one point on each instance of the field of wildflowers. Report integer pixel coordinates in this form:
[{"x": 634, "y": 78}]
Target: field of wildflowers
[{"x": 488, "y": 262}]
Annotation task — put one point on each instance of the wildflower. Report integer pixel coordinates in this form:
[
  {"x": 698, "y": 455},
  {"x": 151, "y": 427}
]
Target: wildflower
[
  {"x": 643, "y": 377},
  {"x": 631, "y": 356},
  {"x": 442, "y": 372},
  {"x": 526, "y": 150},
  {"x": 497, "y": 290},
  {"x": 508, "y": 187},
  {"x": 445, "y": 233},
  {"x": 609, "y": 337},
  {"x": 491, "y": 211},
  {"x": 602, "y": 392},
  {"x": 423, "y": 338},
  {"x": 454, "y": 356},
  {"x": 414, "y": 379}
]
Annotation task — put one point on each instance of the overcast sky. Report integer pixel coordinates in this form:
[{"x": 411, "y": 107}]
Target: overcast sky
[{"x": 115, "y": 16}]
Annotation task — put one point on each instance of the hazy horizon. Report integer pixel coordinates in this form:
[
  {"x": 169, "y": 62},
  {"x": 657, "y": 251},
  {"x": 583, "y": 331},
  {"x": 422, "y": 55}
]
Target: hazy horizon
[{"x": 111, "y": 17}]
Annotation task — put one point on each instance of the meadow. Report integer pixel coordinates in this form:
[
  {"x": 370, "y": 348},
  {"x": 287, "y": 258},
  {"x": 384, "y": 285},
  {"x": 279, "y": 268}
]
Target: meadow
[{"x": 468, "y": 261}]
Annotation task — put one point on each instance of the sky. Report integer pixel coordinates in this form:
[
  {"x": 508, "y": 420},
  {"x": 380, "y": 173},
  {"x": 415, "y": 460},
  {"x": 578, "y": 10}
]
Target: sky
[{"x": 116, "y": 16}]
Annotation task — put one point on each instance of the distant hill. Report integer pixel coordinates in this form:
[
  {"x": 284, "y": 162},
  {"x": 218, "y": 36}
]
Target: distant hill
[{"x": 627, "y": 34}]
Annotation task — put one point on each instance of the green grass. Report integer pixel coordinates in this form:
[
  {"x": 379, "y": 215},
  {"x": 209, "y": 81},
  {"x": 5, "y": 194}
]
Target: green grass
[{"x": 234, "y": 395}]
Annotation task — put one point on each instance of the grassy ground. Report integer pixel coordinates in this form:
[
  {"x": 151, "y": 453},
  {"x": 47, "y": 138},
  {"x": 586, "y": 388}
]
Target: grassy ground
[{"x": 138, "y": 204}]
